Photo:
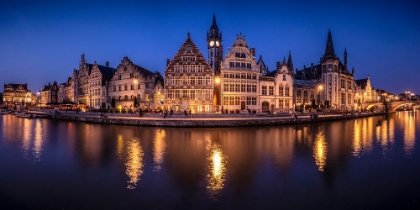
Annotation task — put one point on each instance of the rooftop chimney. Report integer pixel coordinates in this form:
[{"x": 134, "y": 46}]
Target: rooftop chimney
[{"x": 107, "y": 64}]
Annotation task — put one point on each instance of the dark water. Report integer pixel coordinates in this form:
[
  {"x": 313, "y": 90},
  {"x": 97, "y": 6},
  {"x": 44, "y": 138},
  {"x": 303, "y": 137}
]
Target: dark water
[{"x": 353, "y": 164}]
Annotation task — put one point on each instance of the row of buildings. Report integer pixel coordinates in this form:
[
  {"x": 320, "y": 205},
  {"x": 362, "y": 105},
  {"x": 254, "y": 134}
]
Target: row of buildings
[{"x": 234, "y": 82}]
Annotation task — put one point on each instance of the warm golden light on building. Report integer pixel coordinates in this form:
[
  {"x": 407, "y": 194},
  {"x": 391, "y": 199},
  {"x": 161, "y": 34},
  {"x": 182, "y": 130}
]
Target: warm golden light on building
[{"x": 217, "y": 80}]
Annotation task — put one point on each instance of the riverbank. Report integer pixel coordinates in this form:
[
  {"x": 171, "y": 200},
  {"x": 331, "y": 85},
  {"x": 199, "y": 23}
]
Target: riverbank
[{"x": 198, "y": 120}]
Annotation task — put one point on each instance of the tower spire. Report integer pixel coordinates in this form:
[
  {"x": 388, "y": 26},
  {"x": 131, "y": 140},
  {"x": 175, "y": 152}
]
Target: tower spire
[
  {"x": 290, "y": 62},
  {"x": 329, "y": 49},
  {"x": 345, "y": 59},
  {"x": 214, "y": 24}
]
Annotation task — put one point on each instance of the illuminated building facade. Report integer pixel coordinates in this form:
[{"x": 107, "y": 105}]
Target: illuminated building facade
[
  {"x": 69, "y": 90},
  {"x": 83, "y": 81},
  {"x": 133, "y": 86},
  {"x": 98, "y": 85},
  {"x": 240, "y": 79},
  {"x": 16, "y": 94},
  {"x": 276, "y": 89},
  {"x": 49, "y": 94},
  {"x": 364, "y": 91},
  {"x": 337, "y": 83},
  {"x": 189, "y": 80}
]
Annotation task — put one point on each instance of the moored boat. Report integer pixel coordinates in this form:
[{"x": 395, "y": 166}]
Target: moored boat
[{"x": 24, "y": 115}]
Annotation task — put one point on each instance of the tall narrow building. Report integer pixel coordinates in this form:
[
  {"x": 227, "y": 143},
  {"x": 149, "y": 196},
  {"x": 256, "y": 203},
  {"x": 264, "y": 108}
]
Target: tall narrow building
[
  {"x": 240, "y": 79},
  {"x": 215, "y": 57},
  {"x": 189, "y": 80},
  {"x": 337, "y": 80}
]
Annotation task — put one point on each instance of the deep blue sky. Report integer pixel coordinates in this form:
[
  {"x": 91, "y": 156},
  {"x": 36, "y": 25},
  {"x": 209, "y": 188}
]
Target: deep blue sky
[{"x": 41, "y": 41}]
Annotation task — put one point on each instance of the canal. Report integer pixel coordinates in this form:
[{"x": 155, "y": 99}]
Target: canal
[{"x": 364, "y": 163}]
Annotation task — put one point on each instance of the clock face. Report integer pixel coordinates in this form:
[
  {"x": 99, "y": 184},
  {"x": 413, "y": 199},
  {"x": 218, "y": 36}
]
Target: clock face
[
  {"x": 211, "y": 43},
  {"x": 217, "y": 43}
]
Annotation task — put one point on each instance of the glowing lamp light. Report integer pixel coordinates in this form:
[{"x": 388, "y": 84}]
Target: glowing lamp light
[{"x": 217, "y": 80}]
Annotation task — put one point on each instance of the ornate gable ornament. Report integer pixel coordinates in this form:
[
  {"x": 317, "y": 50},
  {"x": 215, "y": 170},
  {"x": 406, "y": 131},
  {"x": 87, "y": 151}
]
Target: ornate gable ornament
[{"x": 188, "y": 54}]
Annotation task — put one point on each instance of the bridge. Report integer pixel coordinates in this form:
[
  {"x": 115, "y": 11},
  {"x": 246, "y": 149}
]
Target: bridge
[{"x": 389, "y": 107}]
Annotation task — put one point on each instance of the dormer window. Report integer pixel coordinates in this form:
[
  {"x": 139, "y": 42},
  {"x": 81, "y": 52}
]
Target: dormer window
[{"x": 188, "y": 48}]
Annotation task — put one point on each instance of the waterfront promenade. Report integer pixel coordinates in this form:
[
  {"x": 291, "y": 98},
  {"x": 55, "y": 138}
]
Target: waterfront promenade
[{"x": 200, "y": 120}]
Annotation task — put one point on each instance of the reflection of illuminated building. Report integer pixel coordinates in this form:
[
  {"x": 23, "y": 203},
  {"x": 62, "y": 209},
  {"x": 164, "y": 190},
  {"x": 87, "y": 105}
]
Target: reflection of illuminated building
[
  {"x": 26, "y": 143},
  {"x": 409, "y": 133},
  {"x": 159, "y": 149},
  {"x": 320, "y": 151},
  {"x": 120, "y": 145},
  {"x": 217, "y": 166},
  {"x": 37, "y": 150},
  {"x": 134, "y": 163},
  {"x": 362, "y": 136}
]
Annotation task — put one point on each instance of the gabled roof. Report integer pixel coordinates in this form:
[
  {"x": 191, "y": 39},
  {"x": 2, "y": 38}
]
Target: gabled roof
[
  {"x": 263, "y": 67},
  {"x": 361, "y": 83},
  {"x": 188, "y": 48},
  {"x": 15, "y": 86},
  {"x": 107, "y": 72}
]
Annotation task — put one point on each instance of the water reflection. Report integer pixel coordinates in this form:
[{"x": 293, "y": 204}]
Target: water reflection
[
  {"x": 26, "y": 140},
  {"x": 159, "y": 146},
  {"x": 134, "y": 163},
  {"x": 409, "y": 133},
  {"x": 320, "y": 150},
  {"x": 362, "y": 136},
  {"x": 217, "y": 165},
  {"x": 120, "y": 146},
  {"x": 37, "y": 150},
  {"x": 209, "y": 167}
]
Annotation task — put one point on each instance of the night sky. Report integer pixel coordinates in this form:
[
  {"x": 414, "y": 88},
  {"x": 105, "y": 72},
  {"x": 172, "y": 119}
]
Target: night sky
[{"x": 41, "y": 41}]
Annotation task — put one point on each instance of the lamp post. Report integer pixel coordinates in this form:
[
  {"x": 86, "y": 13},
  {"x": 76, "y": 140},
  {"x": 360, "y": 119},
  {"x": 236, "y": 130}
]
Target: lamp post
[
  {"x": 135, "y": 98},
  {"x": 217, "y": 98},
  {"x": 320, "y": 87},
  {"x": 37, "y": 99}
]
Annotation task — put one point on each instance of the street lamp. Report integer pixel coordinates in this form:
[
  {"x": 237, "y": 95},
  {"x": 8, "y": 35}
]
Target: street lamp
[
  {"x": 38, "y": 101},
  {"x": 217, "y": 89},
  {"x": 320, "y": 87},
  {"x": 136, "y": 98}
]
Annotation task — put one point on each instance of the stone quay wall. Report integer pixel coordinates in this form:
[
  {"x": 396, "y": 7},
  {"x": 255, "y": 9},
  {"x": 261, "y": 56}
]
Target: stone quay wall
[{"x": 203, "y": 122}]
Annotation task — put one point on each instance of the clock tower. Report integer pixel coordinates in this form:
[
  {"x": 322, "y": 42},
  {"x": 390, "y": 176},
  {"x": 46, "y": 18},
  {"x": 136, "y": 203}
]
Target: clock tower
[
  {"x": 214, "y": 46},
  {"x": 215, "y": 53}
]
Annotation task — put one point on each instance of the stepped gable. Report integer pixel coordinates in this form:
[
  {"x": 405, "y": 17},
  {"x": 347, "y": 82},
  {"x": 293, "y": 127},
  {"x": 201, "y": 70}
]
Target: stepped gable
[
  {"x": 143, "y": 72},
  {"x": 188, "y": 48}
]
